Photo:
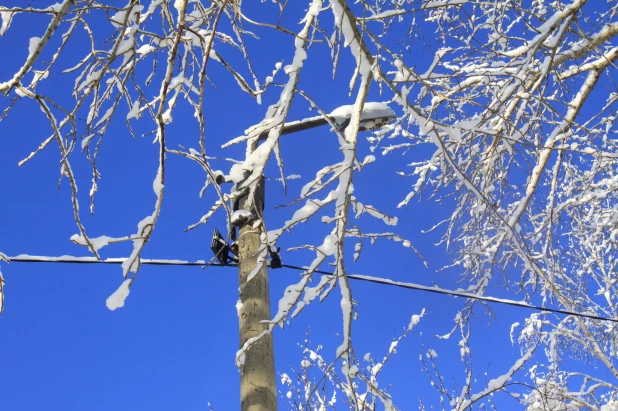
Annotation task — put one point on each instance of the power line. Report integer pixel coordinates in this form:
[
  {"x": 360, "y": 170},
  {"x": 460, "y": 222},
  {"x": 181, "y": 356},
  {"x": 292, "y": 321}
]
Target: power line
[
  {"x": 358, "y": 277},
  {"x": 438, "y": 290},
  {"x": 93, "y": 260}
]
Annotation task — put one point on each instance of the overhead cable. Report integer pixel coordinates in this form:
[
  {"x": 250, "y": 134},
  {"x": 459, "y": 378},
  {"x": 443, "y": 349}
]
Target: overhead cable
[{"x": 377, "y": 280}]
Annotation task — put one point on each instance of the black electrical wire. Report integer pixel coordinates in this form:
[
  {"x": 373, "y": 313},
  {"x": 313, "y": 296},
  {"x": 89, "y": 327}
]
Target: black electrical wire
[
  {"x": 93, "y": 260},
  {"x": 438, "y": 290},
  {"x": 375, "y": 280}
]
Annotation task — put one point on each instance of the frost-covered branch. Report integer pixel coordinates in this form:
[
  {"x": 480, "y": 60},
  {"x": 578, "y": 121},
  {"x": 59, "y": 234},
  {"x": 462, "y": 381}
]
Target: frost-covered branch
[{"x": 508, "y": 119}]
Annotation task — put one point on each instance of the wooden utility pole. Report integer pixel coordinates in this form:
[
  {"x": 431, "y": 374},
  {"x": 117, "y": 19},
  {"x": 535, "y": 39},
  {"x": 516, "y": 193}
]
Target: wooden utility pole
[{"x": 258, "y": 388}]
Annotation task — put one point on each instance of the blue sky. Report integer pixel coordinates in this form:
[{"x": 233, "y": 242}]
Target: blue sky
[{"x": 173, "y": 344}]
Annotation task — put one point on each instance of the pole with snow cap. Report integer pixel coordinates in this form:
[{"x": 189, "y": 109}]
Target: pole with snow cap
[{"x": 258, "y": 388}]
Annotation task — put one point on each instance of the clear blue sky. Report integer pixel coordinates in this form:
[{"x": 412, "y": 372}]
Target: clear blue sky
[{"x": 173, "y": 344}]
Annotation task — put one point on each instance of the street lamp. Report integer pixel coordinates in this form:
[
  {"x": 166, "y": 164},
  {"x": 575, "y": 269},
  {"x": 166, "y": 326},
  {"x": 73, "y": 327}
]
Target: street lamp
[{"x": 374, "y": 115}]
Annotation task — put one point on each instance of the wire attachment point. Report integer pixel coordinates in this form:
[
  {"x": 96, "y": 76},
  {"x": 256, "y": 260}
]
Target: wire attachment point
[
  {"x": 275, "y": 259},
  {"x": 219, "y": 247}
]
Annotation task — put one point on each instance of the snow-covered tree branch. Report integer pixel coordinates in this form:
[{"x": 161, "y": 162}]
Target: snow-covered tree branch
[{"x": 515, "y": 105}]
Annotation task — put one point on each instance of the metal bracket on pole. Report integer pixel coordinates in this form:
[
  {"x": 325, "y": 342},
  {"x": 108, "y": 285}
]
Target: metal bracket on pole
[
  {"x": 275, "y": 258},
  {"x": 219, "y": 247}
]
